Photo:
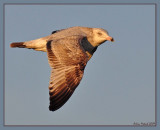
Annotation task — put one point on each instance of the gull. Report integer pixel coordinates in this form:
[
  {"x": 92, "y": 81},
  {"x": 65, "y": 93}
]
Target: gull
[{"x": 68, "y": 52}]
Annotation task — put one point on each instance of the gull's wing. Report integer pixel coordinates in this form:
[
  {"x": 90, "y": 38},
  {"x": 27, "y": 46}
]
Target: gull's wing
[{"x": 67, "y": 60}]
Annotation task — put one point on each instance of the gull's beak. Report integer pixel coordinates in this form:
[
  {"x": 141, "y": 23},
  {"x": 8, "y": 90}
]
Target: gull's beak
[{"x": 110, "y": 39}]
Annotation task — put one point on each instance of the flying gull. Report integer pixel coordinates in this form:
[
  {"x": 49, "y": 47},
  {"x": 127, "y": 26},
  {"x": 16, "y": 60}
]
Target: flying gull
[{"x": 68, "y": 52}]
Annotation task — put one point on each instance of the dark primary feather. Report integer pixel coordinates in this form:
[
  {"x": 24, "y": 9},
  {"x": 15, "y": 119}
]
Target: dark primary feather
[
  {"x": 67, "y": 60},
  {"x": 55, "y": 31}
]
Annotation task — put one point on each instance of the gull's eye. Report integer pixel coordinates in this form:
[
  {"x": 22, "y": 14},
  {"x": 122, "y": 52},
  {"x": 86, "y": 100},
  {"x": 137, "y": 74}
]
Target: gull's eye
[{"x": 99, "y": 33}]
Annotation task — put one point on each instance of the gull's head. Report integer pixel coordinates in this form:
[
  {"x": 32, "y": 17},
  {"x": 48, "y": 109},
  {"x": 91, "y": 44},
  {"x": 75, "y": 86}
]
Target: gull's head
[{"x": 100, "y": 36}]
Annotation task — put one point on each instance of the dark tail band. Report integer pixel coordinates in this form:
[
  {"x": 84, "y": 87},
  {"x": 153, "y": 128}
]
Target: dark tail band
[{"x": 18, "y": 44}]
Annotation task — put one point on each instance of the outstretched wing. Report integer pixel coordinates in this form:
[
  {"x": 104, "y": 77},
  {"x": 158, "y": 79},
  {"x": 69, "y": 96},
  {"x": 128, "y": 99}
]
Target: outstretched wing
[{"x": 67, "y": 60}]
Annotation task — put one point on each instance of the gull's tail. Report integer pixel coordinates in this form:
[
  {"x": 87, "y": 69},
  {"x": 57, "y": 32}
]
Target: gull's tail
[
  {"x": 18, "y": 44},
  {"x": 37, "y": 44}
]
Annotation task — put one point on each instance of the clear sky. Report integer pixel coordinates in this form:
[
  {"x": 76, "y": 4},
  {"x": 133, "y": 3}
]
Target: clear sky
[{"x": 118, "y": 87}]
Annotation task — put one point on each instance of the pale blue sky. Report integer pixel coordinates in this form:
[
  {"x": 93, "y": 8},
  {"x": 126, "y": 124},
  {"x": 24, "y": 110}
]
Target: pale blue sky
[{"x": 118, "y": 87}]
